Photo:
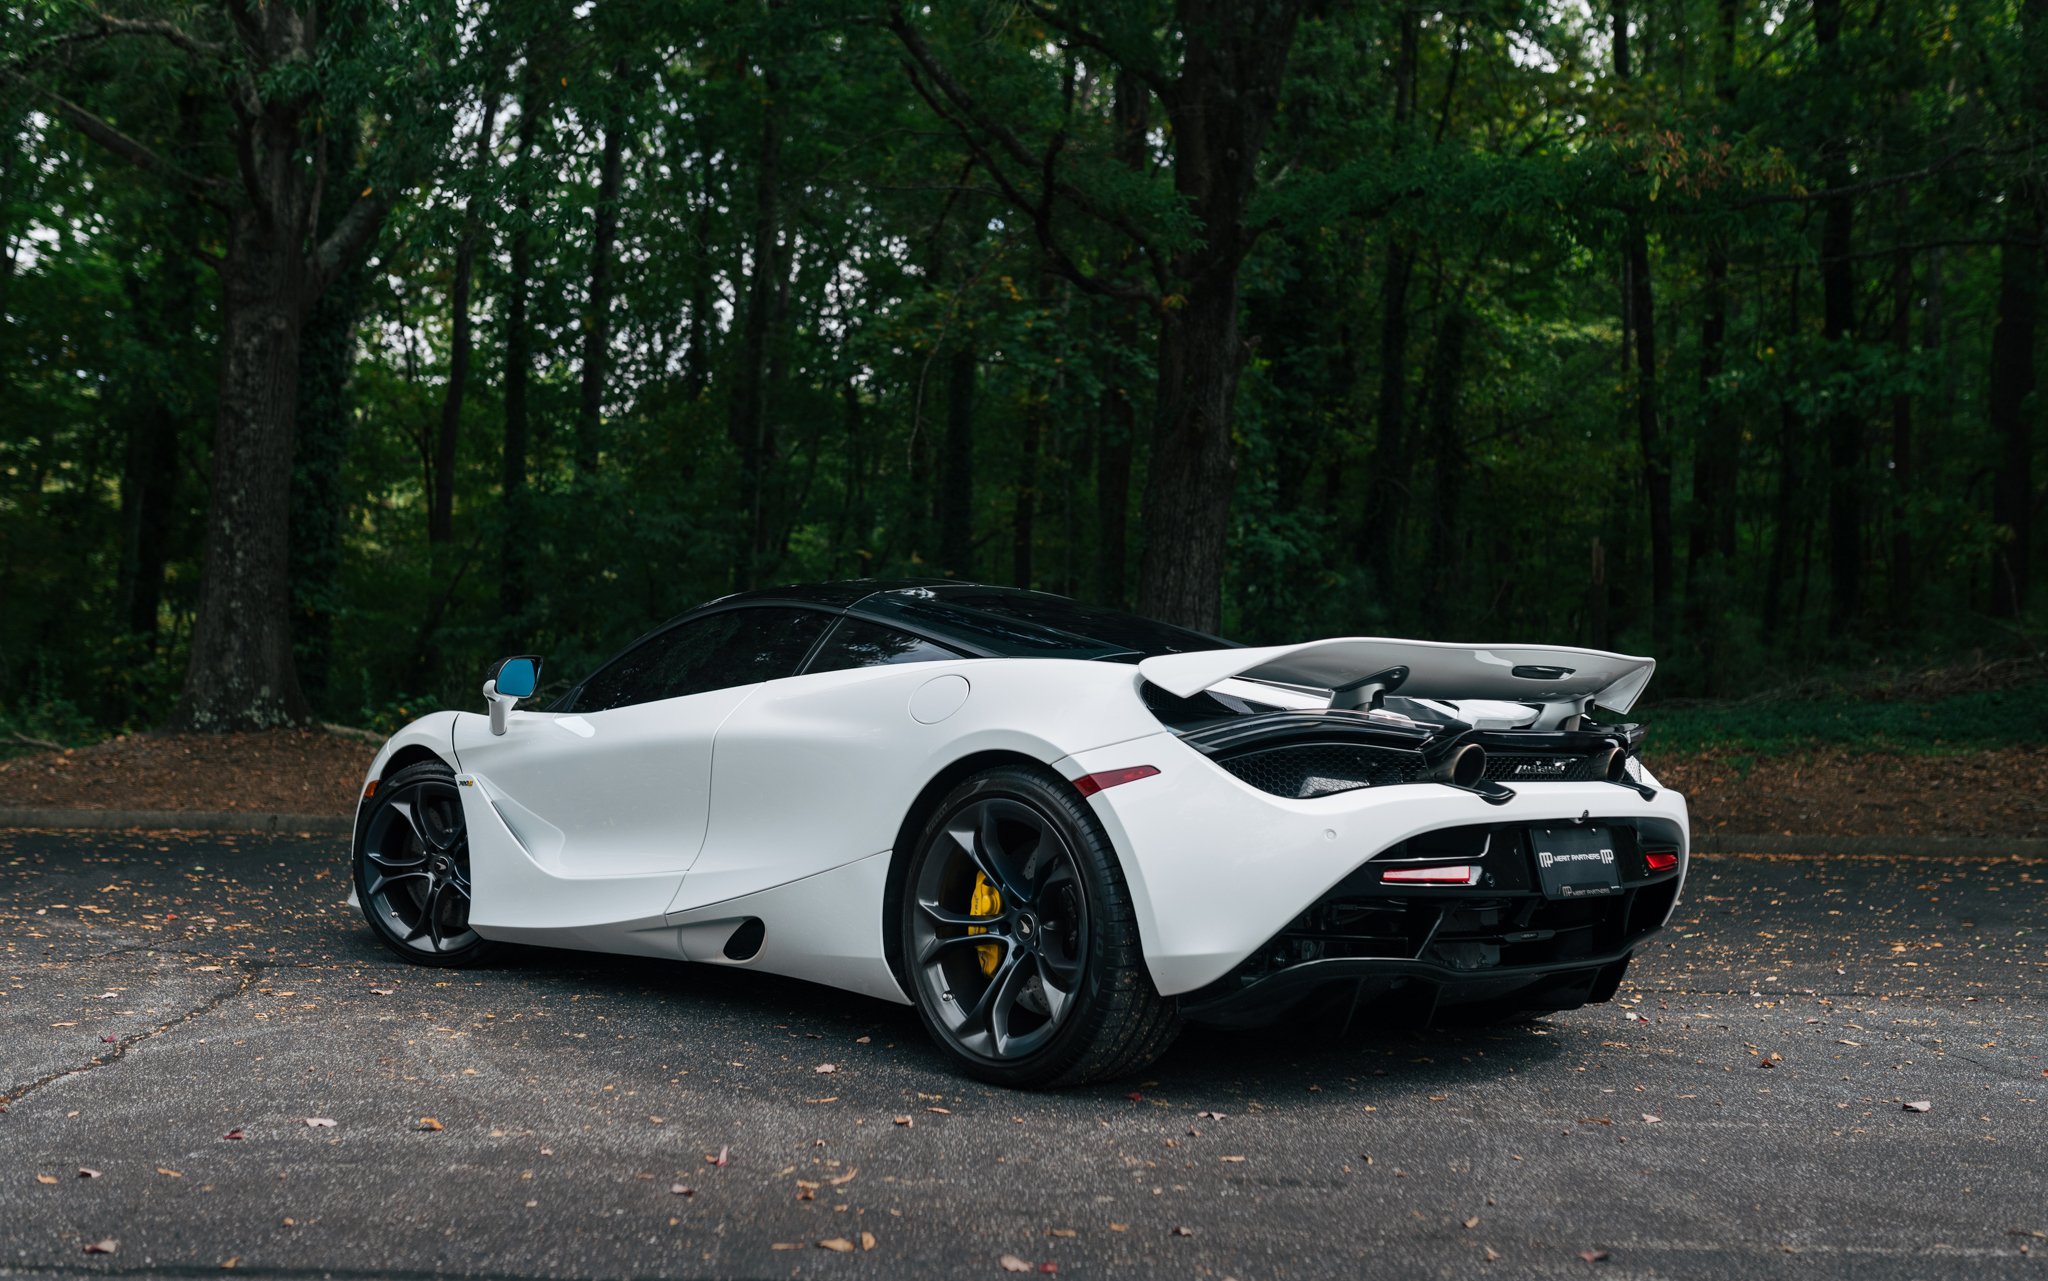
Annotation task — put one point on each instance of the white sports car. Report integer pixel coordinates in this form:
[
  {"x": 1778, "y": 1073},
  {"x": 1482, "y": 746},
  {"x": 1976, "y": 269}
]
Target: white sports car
[{"x": 1057, "y": 830}]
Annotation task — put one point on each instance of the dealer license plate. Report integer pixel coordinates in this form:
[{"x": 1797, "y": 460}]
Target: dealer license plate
[{"x": 1576, "y": 862}]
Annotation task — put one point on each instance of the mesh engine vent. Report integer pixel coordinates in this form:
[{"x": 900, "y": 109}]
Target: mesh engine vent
[{"x": 1323, "y": 769}]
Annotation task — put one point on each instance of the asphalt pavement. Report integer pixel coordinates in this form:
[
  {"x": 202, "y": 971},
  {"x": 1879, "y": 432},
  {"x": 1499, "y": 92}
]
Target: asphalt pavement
[{"x": 254, "y": 1084}]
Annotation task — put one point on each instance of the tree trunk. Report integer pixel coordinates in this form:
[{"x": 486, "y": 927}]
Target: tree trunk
[
  {"x": 2012, "y": 426},
  {"x": 1903, "y": 590},
  {"x": 956, "y": 468},
  {"x": 518, "y": 364},
  {"x": 1234, "y": 56},
  {"x": 441, "y": 506},
  {"x": 747, "y": 414},
  {"x": 2013, "y": 406},
  {"x": 1390, "y": 470},
  {"x": 1133, "y": 111},
  {"x": 1446, "y": 383},
  {"x": 1640, "y": 306},
  {"x": 242, "y": 675},
  {"x": 1842, "y": 427},
  {"x": 597, "y": 318},
  {"x": 1024, "y": 529}
]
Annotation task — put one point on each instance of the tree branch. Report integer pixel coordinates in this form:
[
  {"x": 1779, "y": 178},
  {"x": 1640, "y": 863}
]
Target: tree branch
[
  {"x": 106, "y": 135},
  {"x": 345, "y": 243},
  {"x": 1077, "y": 34}
]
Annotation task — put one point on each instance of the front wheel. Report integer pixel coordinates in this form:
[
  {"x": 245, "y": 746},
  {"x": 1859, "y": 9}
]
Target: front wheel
[
  {"x": 1021, "y": 941},
  {"x": 412, "y": 868}
]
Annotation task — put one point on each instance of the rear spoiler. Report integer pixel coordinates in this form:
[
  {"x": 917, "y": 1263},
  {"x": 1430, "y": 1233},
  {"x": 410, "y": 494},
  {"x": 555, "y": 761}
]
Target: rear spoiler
[{"x": 1357, "y": 670}]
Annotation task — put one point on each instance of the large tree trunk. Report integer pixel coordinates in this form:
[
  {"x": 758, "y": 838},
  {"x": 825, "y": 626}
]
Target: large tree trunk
[
  {"x": 1902, "y": 589},
  {"x": 242, "y": 675},
  {"x": 597, "y": 319},
  {"x": 1234, "y": 56}
]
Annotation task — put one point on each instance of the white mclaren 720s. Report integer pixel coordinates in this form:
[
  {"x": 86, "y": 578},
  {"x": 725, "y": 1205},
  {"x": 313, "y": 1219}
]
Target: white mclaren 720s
[{"x": 1059, "y": 831}]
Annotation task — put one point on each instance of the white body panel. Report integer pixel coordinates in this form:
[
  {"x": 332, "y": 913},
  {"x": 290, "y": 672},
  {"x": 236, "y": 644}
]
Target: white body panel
[{"x": 659, "y": 829}]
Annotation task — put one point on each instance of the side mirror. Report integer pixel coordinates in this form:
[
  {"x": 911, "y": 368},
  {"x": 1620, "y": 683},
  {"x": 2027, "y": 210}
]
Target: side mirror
[{"x": 510, "y": 680}]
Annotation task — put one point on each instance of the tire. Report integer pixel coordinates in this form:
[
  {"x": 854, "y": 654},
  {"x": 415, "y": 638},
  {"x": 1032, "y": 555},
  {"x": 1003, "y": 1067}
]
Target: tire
[
  {"x": 412, "y": 868},
  {"x": 1020, "y": 942}
]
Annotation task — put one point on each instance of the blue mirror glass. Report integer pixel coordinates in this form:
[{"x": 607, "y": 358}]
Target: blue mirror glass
[{"x": 517, "y": 677}]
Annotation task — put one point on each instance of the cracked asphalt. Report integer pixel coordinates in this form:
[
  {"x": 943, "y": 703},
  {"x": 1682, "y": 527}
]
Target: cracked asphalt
[{"x": 163, "y": 992}]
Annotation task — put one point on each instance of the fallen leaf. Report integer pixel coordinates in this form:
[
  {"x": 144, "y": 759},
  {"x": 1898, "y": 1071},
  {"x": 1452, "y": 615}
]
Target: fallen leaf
[
  {"x": 106, "y": 1040},
  {"x": 905, "y": 1122},
  {"x": 863, "y": 1040},
  {"x": 830, "y": 1098},
  {"x": 941, "y": 1111},
  {"x": 1472, "y": 1222},
  {"x": 1182, "y": 1231},
  {"x": 170, "y": 1174},
  {"x": 1921, "y": 1106},
  {"x": 380, "y": 991},
  {"x": 1011, "y": 1263},
  {"x": 107, "y": 1246},
  {"x": 87, "y": 1172},
  {"x": 682, "y": 1189},
  {"x": 1492, "y": 1255},
  {"x": 47, "y": 1179},
  {"x": 724, "y": 1157},
  {"x": 1119, "y": 1227},
  {"x": 233, "y": 1261},
  {"x": 826, "y": 1067},
  {"x": 841, "y": 1180},
  {"x": 786, "y": 1245},
  {"x": 1650, "y": 1119},
  {"x": 1232, "y": 1160},
  {"x": 319, "y": 1123},
  {"x": 1136, "y": 1096},
  {"x": 430, "y": 1124},
  {"x": 1061, "y": 1232},
  {"x": 837, "y": 1245},
  {"x": 232, "y": 1134},
  {"x": 867, "y": 1240},
  {"x": 1592, "y": 1256},
  {"x": 1048, "y": 1267},
  {"x": 1209, "y": 1116}
]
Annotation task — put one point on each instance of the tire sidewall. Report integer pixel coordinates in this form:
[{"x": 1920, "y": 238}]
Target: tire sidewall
[
  {"x": 358, "y": 867},
  {"x": 1090, "y": 847}
]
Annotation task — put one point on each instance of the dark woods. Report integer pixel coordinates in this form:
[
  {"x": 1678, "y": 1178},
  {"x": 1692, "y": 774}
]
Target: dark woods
[{"x": 348, "y": 345}]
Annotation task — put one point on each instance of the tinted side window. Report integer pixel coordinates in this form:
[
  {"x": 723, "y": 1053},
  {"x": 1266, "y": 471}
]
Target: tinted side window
[
  {"x": 862, "y": 644},
  {"x": 735, "y": 647}
]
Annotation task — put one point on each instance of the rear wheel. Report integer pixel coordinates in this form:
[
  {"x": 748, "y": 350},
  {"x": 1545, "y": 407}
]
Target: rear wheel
[
  {"x": 412, "y": 868},
  {"x": 1021, "y": 941}
]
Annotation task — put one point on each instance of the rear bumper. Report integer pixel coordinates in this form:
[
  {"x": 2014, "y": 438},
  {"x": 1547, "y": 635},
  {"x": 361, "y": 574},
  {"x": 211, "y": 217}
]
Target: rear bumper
[
  {"x": 1422, "y": 989},
  {"x": 1217, "y": 869}
]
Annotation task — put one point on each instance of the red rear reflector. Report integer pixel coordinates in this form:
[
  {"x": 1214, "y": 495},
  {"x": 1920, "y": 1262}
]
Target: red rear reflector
[
  {"x": 1465, "y": 874},
  {"x": 1661, "y": 860},
  {"x": 1090, "y": 784}
]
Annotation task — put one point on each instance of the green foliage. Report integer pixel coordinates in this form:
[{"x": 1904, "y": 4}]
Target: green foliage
[
  {"x": 2015, "y": 717},
  {"x": 1487, "y": 404}
]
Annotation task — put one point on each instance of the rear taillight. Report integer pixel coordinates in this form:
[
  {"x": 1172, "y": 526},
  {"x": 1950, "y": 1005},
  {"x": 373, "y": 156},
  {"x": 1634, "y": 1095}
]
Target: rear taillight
[
  {"x": 1457, "y": 874},
  {"x": 1090, "y": 784},
  {"x": 1661, "y": 860}
]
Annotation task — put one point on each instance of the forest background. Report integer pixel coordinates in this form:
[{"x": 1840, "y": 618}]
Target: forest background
[{"x": 348, "y": 346}]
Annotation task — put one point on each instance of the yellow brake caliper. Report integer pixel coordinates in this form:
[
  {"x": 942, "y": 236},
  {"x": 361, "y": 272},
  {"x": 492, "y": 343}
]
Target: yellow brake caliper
[{"x": 986, "y": 902}]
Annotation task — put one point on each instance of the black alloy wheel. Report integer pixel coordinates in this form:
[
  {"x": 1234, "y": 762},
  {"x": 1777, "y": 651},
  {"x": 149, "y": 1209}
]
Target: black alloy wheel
[
  {"x": 1020, "y": 939},
  {"x": 412, "y": 868}
]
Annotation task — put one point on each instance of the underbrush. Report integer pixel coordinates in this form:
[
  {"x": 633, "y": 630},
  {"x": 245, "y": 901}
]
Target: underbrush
[{"x": 1980, "y": 718}]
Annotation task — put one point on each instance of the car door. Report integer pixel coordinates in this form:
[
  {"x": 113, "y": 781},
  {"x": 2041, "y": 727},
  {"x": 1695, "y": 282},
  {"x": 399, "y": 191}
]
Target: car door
[{"x": 615, "y": 781}]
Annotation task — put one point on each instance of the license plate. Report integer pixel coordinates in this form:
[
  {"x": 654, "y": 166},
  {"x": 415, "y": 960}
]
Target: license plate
[{"x": 1576, "y": 862}]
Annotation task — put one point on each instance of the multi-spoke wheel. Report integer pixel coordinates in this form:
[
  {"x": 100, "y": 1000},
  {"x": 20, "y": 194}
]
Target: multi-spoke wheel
[
  {"x": 1020, "y": 940},
  {"x": 412, "y": 868}
]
